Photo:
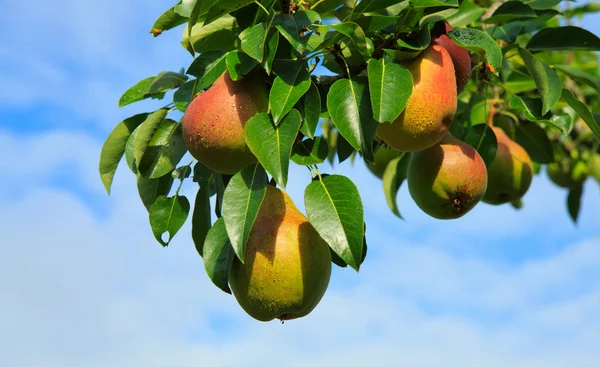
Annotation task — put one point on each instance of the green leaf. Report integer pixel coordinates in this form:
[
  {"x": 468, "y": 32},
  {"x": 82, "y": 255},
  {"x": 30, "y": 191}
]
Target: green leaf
[
  {"x": 164, "y": 150},
  {"x": 218, "y": 255},
  {"x": 507, "y": 32},
  {"x": 222, "y": 34},
  {"x": 477, "y": 40},
  {"x": 390, "y": 87},
  {"x": 564, "y": 38},
  {"x": 165, "y": 81},
  {"x": 468, "y": 12},
  {"x": 242, "y": 199},
  {"x": 369, "y": 6},
  {"x": 201, "y": 218},
  {"x": 292, "y": 82},
  {"x": 574, "y": 202},
  {"x": 272, "y": 144},
  {"x": 344, "y": 149},
  {"x": 349, "y": 105},
  {"x": 114, "y": 148},
  {"x": 482, "y": 138},
  {"x": 395, "y": 173},
  {"x": 167, "y": 215},
  {"x": 149, "y": 189},
  {"x": 136, "y": 93},
  {"x": 310, "y": 105},
  {"x": 334, "y": 208},
  {"x": 271, "y": 51},
  {"x": 583, "y": 111},
  {"x": 509, "y": 11},
  {"x": 223, "y": 7},
  {"x": 594, "y": 167},
  {"x": 168, "y": 20},
  {"x": 184, "y": 95},
  {"x": 185, "y": 7},
  {"x": 547, "y": 81},
  {"x": 357, "y": 35},
  {"x": 543, "y": 4},
  {"x": 220, "y": 191},
  {"x": 419, "y": 41},
  {"x": 208, "y": 67},
  {"x": 437, "y": 16},
  {"x": 532, "y": 109},
  {"x": 291, "y": 27},
  {"x": 432, "y": 3},
  {"x": 374, "y": 23},
  {"x": 308, "y": 152},
  {"x": 253, "y": 41},
  {"x": 580, "y": 76},
  {"x": 146, "y": 132},
  {"x": 535, "y": 141},
  {"x": 239, "y": 64}
]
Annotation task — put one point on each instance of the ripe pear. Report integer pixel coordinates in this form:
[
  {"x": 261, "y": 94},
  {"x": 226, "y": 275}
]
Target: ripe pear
[
  {"x": 383, "y": 156},
  {"x": 568, "y": 174},
  {"x": 431, "y": 106},
  {"x": 448, "y": 179},
  {"x": 460, "y": 58},
  {"x": 287, "y": 266},
  {"x": 510, "y": 173},
  {"x": 213, "y": 123}
]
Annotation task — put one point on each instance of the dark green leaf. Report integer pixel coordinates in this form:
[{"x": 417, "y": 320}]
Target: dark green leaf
[
  {"x": 535, "y": 141},
  {"x": 532, "y": 109},
  {"x": 164, "y": 151},
  {"x": 390, "y": 87},
  {"x": 580, "y": 76},
  {"x": 223, "y": 7},
  {"x": 136, "y": 93},
  {"x": 150, "y": 189},
  {"x": 432, "y": 3},
  {"x": 357, "y": 35},
  {"x": 218, "y": 255},
  {"x": 509, "y": 11},
  {"x": 507, "y": 32},
  {"x": 477, "y": 40},
  {"x": 239, "y": 64},
  {"x": 437, "y": 16},
  {"x": 168, "y": 20},
  {"x": 308, "y": 152},
  {"x": 393, "y": 176},
  {"x": 419, "y": 41},
  {"x": 183, "y": 96},
  {"x": 222, "y": 34},
  {"x": 374, "y": 23},
  {"x": 574, "y": 202},
  {"x": 291, "y": 84},
  {"x": 344, "y": 149},
  {"x": 271, "y": 144},
  {"x": 564, "y": 38},
  {"x": 334, "y": 208},
  {"x": 114, "y": 148},
  {"x": 201, "y": 217},
  {"x": 468, "y": 12},
  {"x": 146, "y": 132},
  {"x": 583, "y": 111},
  {"x": 208, "y": 67},
  {"x": 271, "y": 51},
  {"x": 311, "y": 106},
  {"x": 167, "y": 215},
  {"x": 482, "y": 138},
  {"x": 291, "y": 27},
  {"x": 242, "y": 199},
  {"x": 547, "y": 81},
  {"x": 165, "y": 81},
  {"x": 369, "y": 6},
  {"x": 253, "y": 41},
  {"x": 543, "y": 4},
  {"x": 350, "y": 109}
]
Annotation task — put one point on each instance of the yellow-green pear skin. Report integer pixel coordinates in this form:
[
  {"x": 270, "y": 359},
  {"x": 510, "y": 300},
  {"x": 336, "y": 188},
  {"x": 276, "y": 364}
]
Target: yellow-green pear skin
[
  {"x": 448, "y": 179},
  {"x": 568, "y": 174},
  {"x": 383, "y": 156},
  {"x": 213, "y": 123},
  {"x": 287, "y": 265},
  {"x": 510, "y": 173},
  {"x": 431, "y": 106}
]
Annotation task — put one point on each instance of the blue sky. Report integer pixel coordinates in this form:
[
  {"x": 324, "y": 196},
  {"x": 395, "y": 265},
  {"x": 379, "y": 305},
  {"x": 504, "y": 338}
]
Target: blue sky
[{"x": 84, "y": 283}]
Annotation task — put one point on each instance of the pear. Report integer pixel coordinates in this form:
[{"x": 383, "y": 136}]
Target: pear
[
  {"x": 287, "y": 266},
  {"x": 568, "y": 174},
  {"x": 510, "y": 173},
  {"x": 431, "y": 106},
  {"x": 448, "y": 179},
  {"x": 460, "y": 58},
  {"x": 213, "y": 123},
  {"x": 383, "y": 156}
]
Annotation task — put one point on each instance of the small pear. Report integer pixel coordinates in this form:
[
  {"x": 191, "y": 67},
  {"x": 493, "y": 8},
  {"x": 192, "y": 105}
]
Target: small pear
[
  {"x": 510, "y": 173},
  {"x": 213, "y": 123},
  {"x": 383, "y": 156},
  {"x": 568, "y": 174},
  {"x": 448, "y": 179},
  {"x": 287, "y": 266},
  {"x": 431, "y": 106}
]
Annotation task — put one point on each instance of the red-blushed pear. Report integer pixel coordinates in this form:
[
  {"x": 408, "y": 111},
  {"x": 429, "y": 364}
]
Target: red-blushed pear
[
  {"x": 448, "y": 179},
  {"x": 431, "y": 106},
  {"x": 287, "y": 266},
  {"x": 510, "y": 173},
  {"x": 460, "y": 58},
  {"x": 213, "y": 123}
]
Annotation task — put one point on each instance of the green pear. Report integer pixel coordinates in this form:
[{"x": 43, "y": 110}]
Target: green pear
[
  {"x": 213, "y": 123},
  {"x": 510, "y": 173},
  {"x": 287, "y": 266},
  {"x": 383, "y": 156},
  {"x": 448, "y": 179},
  {"x": 431, "y": 106},
  {"x": 567, "y": 173}
]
